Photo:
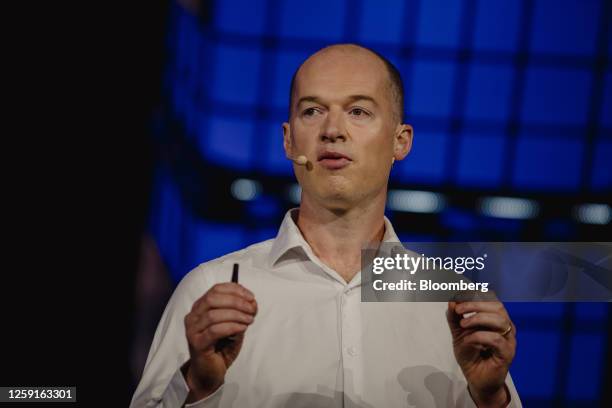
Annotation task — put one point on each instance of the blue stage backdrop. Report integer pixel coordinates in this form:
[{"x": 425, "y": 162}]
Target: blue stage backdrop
[{"x": 511, "y": 102}]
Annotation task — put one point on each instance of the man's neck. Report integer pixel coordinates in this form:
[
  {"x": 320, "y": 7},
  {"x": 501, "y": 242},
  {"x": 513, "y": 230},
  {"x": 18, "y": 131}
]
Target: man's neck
[{"x": 337, "y": 236}]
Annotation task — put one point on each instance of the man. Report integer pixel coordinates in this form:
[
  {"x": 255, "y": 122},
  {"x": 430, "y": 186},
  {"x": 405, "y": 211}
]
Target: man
[{"x": 299, "y": 336}]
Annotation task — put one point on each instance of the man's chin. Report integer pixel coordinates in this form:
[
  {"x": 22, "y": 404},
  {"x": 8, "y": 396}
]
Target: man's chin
[
  {"x": 338, "y": 193},
  {"x": 337, "y": 200}
]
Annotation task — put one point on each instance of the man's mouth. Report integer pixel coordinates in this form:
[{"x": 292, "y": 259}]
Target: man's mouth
[{"x": 333, "y": 160}]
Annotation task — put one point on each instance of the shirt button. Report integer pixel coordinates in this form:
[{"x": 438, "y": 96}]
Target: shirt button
[{"x": 352, "y": 351}]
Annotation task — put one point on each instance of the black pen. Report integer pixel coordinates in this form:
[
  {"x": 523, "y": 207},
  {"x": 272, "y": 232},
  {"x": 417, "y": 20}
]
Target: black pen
[
  {"x": 227, "y": 340},
  {"x": 235, "y": 273}
]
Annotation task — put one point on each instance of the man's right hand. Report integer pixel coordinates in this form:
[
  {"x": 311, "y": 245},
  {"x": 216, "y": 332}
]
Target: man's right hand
[{"x": 227, "y": 309}]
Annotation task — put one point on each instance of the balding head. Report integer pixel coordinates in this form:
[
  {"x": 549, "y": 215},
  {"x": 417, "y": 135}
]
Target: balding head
[{"x": 394, "y": 80}]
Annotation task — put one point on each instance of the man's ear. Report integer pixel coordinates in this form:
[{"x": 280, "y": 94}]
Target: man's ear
[
  {"x": 402, "y": 141},
  {"x": 287, "y": 145}
]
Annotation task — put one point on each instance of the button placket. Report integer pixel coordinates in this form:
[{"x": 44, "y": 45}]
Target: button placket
[
  {"x": 350, "y": 337},
  {"x": 352, "y": 347}
]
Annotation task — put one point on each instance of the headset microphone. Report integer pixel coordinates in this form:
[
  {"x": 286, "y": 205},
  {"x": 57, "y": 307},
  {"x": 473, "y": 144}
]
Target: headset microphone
[{"x": 301, "y": 160}]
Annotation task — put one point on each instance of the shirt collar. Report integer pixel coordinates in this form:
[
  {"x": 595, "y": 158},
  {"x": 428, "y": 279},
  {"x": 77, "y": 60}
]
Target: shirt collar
[{"x": 289, "y": 237}]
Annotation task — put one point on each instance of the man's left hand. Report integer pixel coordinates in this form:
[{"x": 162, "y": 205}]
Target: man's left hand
[{"x": 484, "y": 343}]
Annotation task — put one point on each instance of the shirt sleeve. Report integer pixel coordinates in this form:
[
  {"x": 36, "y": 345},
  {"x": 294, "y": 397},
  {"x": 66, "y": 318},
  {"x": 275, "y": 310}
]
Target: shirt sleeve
[
  {"x": 162, "y": 383},
  {"x": 465, "y": 399},
  {"x": 515, "y": 401}
]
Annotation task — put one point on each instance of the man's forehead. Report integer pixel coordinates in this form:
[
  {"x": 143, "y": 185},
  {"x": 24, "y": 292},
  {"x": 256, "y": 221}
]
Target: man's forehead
[{"x": 348, "y": 68}]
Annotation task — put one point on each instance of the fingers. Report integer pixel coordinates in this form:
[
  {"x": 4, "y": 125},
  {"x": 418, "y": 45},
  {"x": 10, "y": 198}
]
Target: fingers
[
  {"x": 451, "y": 315},
  {"x": 467, "y": 307},
  {"x": 233, "y": 288},
  {"x": 226, "y": 295},
  {"x": 220, "y": 289},
  {"x": 214, "y": 333},
  {"x": 489, "y": 340},
  {"x": 225, "y": 310},
  {"x": 486, "y": 320},
  {"x": 226, "y": 301},
  {"x": 216, "y": 316},
  {"x": 490, "y": 316}
]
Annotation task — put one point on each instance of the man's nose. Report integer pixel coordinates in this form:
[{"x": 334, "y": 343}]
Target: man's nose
[{"x": 333, "y": 128}]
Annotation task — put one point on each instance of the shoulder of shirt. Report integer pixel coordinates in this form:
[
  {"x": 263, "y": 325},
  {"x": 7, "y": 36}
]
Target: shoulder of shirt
[{"x": 220, "y": 269}]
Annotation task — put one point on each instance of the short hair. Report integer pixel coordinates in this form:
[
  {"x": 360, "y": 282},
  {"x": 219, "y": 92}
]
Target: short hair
[{"x": 395, "y": 82}]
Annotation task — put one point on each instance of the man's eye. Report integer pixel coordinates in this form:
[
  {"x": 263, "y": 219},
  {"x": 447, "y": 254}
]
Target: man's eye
[
  {"x": 358, "y": 112},
  {"x": 310, "y": 112}
]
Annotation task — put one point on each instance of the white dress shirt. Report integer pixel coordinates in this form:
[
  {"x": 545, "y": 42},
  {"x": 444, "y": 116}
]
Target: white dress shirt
[{"x": 313, "y": 342}]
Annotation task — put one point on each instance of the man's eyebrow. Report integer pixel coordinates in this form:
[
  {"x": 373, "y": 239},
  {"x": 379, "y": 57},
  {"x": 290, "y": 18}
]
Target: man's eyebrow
[
  {"x": 313, "y": 99},
  {"x": 351, "y": 99},
  {"x": 354, "y": 98}
]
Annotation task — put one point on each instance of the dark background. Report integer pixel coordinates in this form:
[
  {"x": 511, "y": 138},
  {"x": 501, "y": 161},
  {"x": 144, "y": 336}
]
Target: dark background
[{"x": 135, "y": 124}]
